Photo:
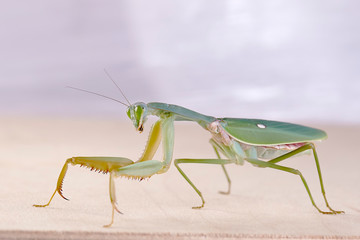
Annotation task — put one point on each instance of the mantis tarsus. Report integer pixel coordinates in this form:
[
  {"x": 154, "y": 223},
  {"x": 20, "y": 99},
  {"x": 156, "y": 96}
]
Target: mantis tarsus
[{"x": 262, "y": 143}]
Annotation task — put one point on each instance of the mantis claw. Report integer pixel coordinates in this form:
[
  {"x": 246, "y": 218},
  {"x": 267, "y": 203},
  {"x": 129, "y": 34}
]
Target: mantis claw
[
  {"x": 61, "y": 194},
  {"x": 115, "y": 207}
]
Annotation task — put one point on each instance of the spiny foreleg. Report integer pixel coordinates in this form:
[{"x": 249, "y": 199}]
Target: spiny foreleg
[
  {"x": 99, "y": 164},
  {"x": 58, "y": 185}
]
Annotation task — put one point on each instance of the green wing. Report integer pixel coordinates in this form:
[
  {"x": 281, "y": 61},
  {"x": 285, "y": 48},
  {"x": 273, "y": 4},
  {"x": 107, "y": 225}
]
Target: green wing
[{"x": 263, "y": 132}]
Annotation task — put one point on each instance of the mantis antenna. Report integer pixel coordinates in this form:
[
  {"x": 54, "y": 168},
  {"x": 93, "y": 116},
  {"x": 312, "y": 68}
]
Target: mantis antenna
[
  {"x": 106, "y": 72},
  {"x": 98, "y": 94}
]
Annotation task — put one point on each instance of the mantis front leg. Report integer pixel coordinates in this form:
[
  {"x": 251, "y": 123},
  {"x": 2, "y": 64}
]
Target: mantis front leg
[
  {"x": 112, "y": 194},
  {"x": 145, "y": 167}
]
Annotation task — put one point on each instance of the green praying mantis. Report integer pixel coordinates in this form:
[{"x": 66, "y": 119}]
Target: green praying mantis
[{"x": 261, "y": 143}]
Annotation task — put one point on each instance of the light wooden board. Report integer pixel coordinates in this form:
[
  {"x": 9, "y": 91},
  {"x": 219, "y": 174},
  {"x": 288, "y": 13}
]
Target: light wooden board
[{"x": 264, "y": 203}]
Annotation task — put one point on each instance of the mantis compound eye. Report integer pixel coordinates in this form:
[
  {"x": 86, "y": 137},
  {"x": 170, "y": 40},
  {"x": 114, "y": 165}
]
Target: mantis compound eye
[
  {"x": 128, "y": 113},
  {"x": 138, "y": 112}
]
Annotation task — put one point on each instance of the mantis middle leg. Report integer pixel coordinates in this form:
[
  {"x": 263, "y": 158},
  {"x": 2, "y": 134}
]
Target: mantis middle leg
[
  {"x": 222, "y": 162},
  {"x": 235, "y": 152},
  {"x": 218, "y": 148}
]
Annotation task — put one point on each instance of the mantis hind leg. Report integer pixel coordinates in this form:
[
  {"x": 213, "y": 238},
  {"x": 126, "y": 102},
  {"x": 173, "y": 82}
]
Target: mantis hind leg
[
  {"x": 272, "y": 164},
  {"x": 203, "y": 161}
]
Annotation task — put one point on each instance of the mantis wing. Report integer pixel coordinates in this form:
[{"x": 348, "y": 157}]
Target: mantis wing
[{"x": 264, "y": 132}]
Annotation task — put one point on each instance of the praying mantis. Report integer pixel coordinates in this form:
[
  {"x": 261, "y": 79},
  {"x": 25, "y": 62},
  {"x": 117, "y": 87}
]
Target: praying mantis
[{"x": 262, "y": 143}]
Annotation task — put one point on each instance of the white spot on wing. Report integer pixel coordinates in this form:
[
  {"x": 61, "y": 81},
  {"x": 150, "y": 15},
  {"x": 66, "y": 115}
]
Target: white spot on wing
[{"x": 260, "y": 125}]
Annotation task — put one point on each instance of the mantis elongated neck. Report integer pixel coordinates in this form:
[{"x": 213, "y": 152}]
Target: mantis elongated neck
[{"x": 180, "y": 113}]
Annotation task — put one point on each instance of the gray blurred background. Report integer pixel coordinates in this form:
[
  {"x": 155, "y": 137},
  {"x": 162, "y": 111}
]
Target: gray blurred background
[{"x": 275, "y": 59}]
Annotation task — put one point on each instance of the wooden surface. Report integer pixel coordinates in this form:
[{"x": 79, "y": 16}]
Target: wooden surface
[{"x": 264, "y": 203}]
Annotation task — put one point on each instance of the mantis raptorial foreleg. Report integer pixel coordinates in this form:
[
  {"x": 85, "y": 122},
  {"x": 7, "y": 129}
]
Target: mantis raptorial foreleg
[
  {"x": 117, "y": 166},
  {"x": 58, "y": 185},
  {"x": 100, "y": 164},
  {"x": 112, "y": 194},
  {"x": 272, "y": 164},
  {"x": 203, "y": 161}
]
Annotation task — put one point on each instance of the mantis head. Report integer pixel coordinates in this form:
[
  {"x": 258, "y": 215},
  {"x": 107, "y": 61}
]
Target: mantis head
[{"x": 137, "y": 112}]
